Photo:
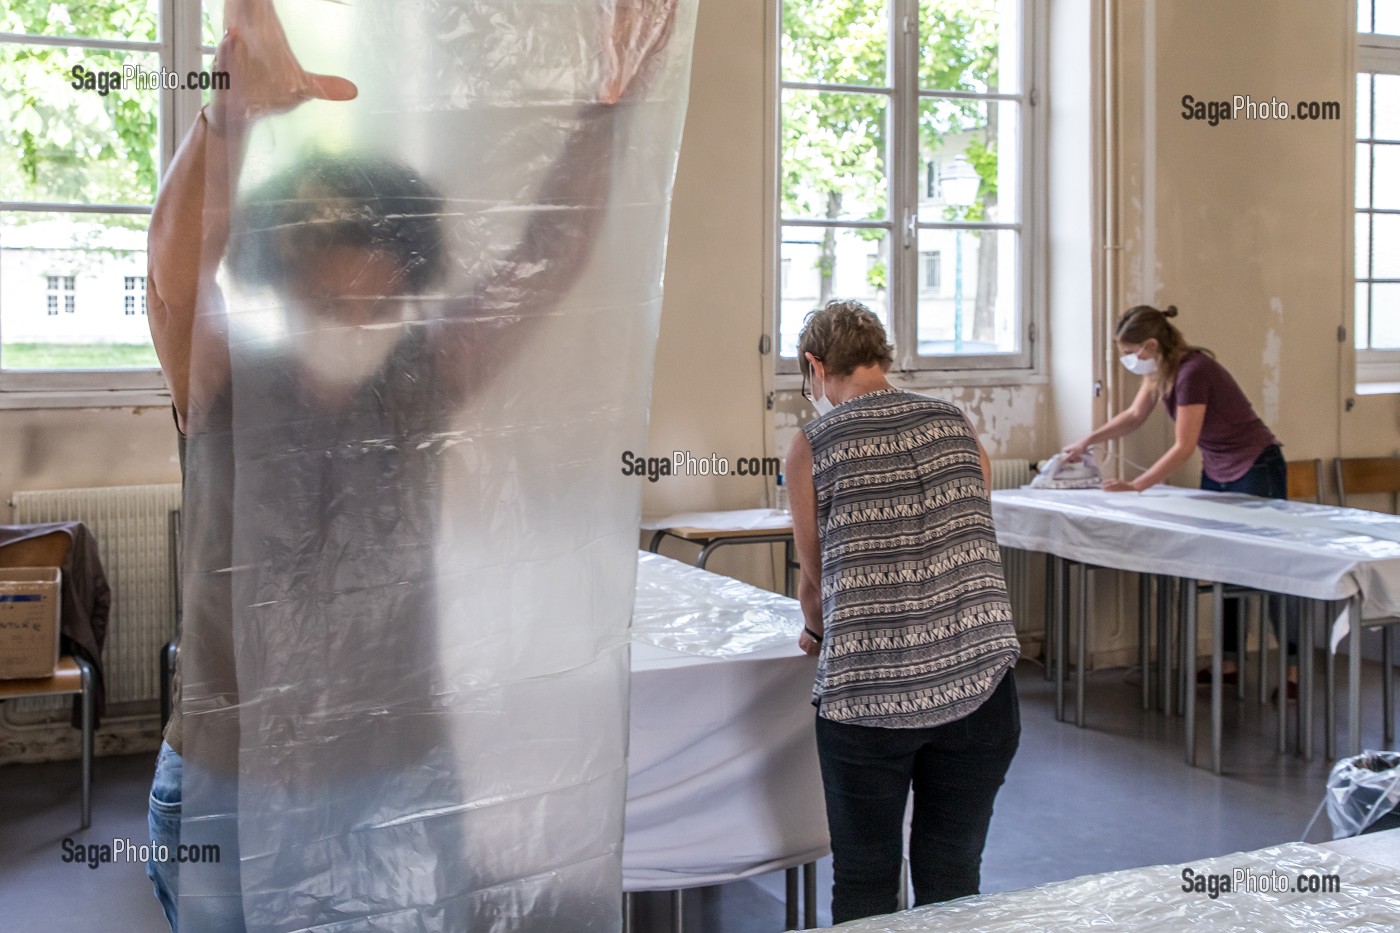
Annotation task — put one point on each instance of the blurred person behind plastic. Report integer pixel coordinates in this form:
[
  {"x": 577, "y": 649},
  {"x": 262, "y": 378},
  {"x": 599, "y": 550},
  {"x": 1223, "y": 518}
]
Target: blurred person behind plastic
[{"x": 404, "y": 665}]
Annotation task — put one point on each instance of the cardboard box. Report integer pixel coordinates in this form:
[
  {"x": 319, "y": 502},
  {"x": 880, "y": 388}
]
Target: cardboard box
[{"x": 29, "y": 607}]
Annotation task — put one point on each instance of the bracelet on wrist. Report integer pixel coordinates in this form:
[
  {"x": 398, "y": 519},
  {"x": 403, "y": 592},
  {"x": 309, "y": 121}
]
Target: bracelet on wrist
[{"x": 812, "y": 635}]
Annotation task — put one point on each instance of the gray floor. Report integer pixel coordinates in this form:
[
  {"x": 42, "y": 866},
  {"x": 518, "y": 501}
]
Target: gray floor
[{"x": 1116, "y": 794}]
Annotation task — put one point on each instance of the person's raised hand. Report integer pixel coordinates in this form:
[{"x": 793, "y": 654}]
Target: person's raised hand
[
  {"x": 637, "y": 32},
  {"x": 265, "y": 77}
]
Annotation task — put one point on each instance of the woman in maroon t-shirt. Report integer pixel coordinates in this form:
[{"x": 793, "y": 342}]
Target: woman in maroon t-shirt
[{"x": 1238, "y": 451}]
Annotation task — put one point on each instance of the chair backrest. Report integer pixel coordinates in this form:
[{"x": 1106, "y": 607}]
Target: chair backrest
[
  {"x": 50, "y": 550},
  {"x": 1305, "y": 480},
  {"x": 1363, "y": 475}
]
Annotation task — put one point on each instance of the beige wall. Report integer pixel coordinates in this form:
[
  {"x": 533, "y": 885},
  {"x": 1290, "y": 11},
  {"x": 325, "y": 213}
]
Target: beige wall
[{"x": 60, "y": 449}]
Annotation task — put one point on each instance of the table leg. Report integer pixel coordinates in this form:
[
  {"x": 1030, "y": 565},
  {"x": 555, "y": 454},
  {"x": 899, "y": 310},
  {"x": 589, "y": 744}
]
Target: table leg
[
  {"x": 1279, "y": 606},
  {"x": 1046, "y": 646},
  {"x": 1190, "y": 591},
  {"x": 788, "y": 563},
  {"x": 1216, "y": 655},
  {"x": 1145, "y": 637},
  {"x": 1061, "y": 596},
  {"x": 809, "y": 896},
  {"x": 1081, "y": 645},
  {"x": 1388, "y": 682},
  {"x": 656, "y": 540},
  {"x": 705, "y": 552},
  {"x": 790, "y": 879},
  {"x": 628, "y": 911},
  {"x": 1166, "y": 587},
  {"x": 1354, "y": 679},
  {"x": 1264, "y": 628},
  {"x": 678, "y": 910},
  {"x": 1329, "y": 696},
  {"x": 1309, "y": 613}
]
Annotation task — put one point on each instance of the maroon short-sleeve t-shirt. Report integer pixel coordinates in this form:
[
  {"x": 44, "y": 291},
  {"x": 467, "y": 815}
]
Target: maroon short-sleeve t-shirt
[{"x": 1232, "y": 437}]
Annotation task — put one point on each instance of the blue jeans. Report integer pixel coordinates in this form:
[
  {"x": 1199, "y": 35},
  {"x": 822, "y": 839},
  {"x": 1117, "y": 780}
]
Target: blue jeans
[
  {"x": 955, "y": 771},
  {"x": 1268, "y": 478},
  {"x": 163, "y": 818}
]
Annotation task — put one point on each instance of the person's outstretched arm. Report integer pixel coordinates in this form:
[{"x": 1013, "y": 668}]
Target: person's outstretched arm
[
  {"x": 189, "y": 226},
  {"x": 570, "y": 206}
]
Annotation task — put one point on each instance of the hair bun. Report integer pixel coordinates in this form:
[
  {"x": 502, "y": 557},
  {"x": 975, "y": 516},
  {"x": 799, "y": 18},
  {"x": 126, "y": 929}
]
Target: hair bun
[{"x": 1170, "y": 312}]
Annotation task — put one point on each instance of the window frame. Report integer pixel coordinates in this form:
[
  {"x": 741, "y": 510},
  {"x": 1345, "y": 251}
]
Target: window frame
[
  {"x": 907, "y": 184},
  {"x": 179, "y": 46},
  {"x": 1376, "y": 53}
]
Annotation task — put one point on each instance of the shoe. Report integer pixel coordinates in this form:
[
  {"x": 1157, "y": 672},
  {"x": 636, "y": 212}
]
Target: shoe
[
  {"x": 1228, "y": 678},
  {"x": 1292, "y": 694}
]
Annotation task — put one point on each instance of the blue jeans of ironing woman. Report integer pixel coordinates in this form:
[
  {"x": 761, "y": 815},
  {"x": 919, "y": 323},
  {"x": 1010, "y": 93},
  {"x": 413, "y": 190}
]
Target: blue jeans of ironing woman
[{"x": 1268, "y": 477}]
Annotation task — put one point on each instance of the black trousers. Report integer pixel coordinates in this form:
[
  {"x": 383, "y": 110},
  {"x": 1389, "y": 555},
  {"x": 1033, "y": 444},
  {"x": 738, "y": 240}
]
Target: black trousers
[{"x": 954, "y": 770}]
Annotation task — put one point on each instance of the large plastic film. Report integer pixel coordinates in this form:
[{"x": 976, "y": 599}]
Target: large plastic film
[
  {"x": 410, "y": 554},
  {"x": 1276, "y": 889}
]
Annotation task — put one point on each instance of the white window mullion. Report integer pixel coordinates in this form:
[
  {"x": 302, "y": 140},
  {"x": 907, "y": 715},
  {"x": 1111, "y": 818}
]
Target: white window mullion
[{"x": 904, "y": 182}]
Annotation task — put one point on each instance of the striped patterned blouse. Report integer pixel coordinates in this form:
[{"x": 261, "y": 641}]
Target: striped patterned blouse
[{"x": 918, "y": 625}]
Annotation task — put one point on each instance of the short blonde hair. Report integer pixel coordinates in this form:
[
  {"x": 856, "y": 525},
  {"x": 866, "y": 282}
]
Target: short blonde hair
[{"x": 844, "y": 335}]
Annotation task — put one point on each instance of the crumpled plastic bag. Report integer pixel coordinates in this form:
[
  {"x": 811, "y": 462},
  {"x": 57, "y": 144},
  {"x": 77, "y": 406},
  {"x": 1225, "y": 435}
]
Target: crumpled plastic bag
[{"x": 1361, "y": 790}]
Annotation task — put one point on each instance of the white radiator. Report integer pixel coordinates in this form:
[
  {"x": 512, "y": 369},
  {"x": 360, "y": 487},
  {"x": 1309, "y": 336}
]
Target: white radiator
[
  {"x": 132, "y": 527},
  {"x": 1011, "y": 474}
]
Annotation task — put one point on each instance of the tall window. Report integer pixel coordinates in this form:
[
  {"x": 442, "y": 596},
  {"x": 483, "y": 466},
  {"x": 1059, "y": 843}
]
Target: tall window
[
  {"x": 1377, "y": 241},
  {"x": 83, "y": 147},
  {"x": 905, "y": 134}
]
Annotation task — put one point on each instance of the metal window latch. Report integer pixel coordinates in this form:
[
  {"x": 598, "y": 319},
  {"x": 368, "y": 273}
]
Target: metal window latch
[
  {"x": 1098, "y": 388},
  {"x": 911, "y": 226},
  {"x": 1341, "y": 333},
  {"x": 765, "y": 343}
]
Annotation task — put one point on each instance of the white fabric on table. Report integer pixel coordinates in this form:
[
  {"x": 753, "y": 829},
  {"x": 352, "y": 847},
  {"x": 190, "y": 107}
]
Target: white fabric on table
[
  {"x": 1151, "y": 900},
  {"x": 736, "y": 520},
  {"x": 723, "y": 778},
  {"x": 1295, "y": 548}
]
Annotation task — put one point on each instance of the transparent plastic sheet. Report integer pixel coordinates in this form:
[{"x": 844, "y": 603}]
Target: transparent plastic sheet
[
  {"x": 1151, "y": 900},
  {"x": 1361, "y": 790},
  {"x": 409, "y": 553},
  {"x": 687, "y": 609}
]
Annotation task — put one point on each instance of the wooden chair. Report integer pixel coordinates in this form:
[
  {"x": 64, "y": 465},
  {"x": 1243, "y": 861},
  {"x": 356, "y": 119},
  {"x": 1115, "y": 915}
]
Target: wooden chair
[
  {"x": 1362, "y": 476},
  {"x": 71, "y": 675},
  {"x": 1305, "y": 480},
  {"x": 1358, "y": 476}
]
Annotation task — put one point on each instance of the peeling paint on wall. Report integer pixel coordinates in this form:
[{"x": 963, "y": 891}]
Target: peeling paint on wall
[
  {"x": 1273, "y": 358},
  {"x": 1008, "y": 418}
]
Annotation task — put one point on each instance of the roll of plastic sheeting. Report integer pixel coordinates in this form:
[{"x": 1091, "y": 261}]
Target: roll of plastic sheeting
[{"x": 425, "y": 329}]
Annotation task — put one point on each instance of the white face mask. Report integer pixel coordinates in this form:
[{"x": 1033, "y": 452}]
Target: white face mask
[
  {"x": 1137, "y": 365},
  {"x": 820, "y": 403},
  {"x": 342, "y": 356}
]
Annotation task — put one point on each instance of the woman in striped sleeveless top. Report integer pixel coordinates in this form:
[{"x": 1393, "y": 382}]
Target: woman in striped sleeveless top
[{"x": 905, "y": 604}]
